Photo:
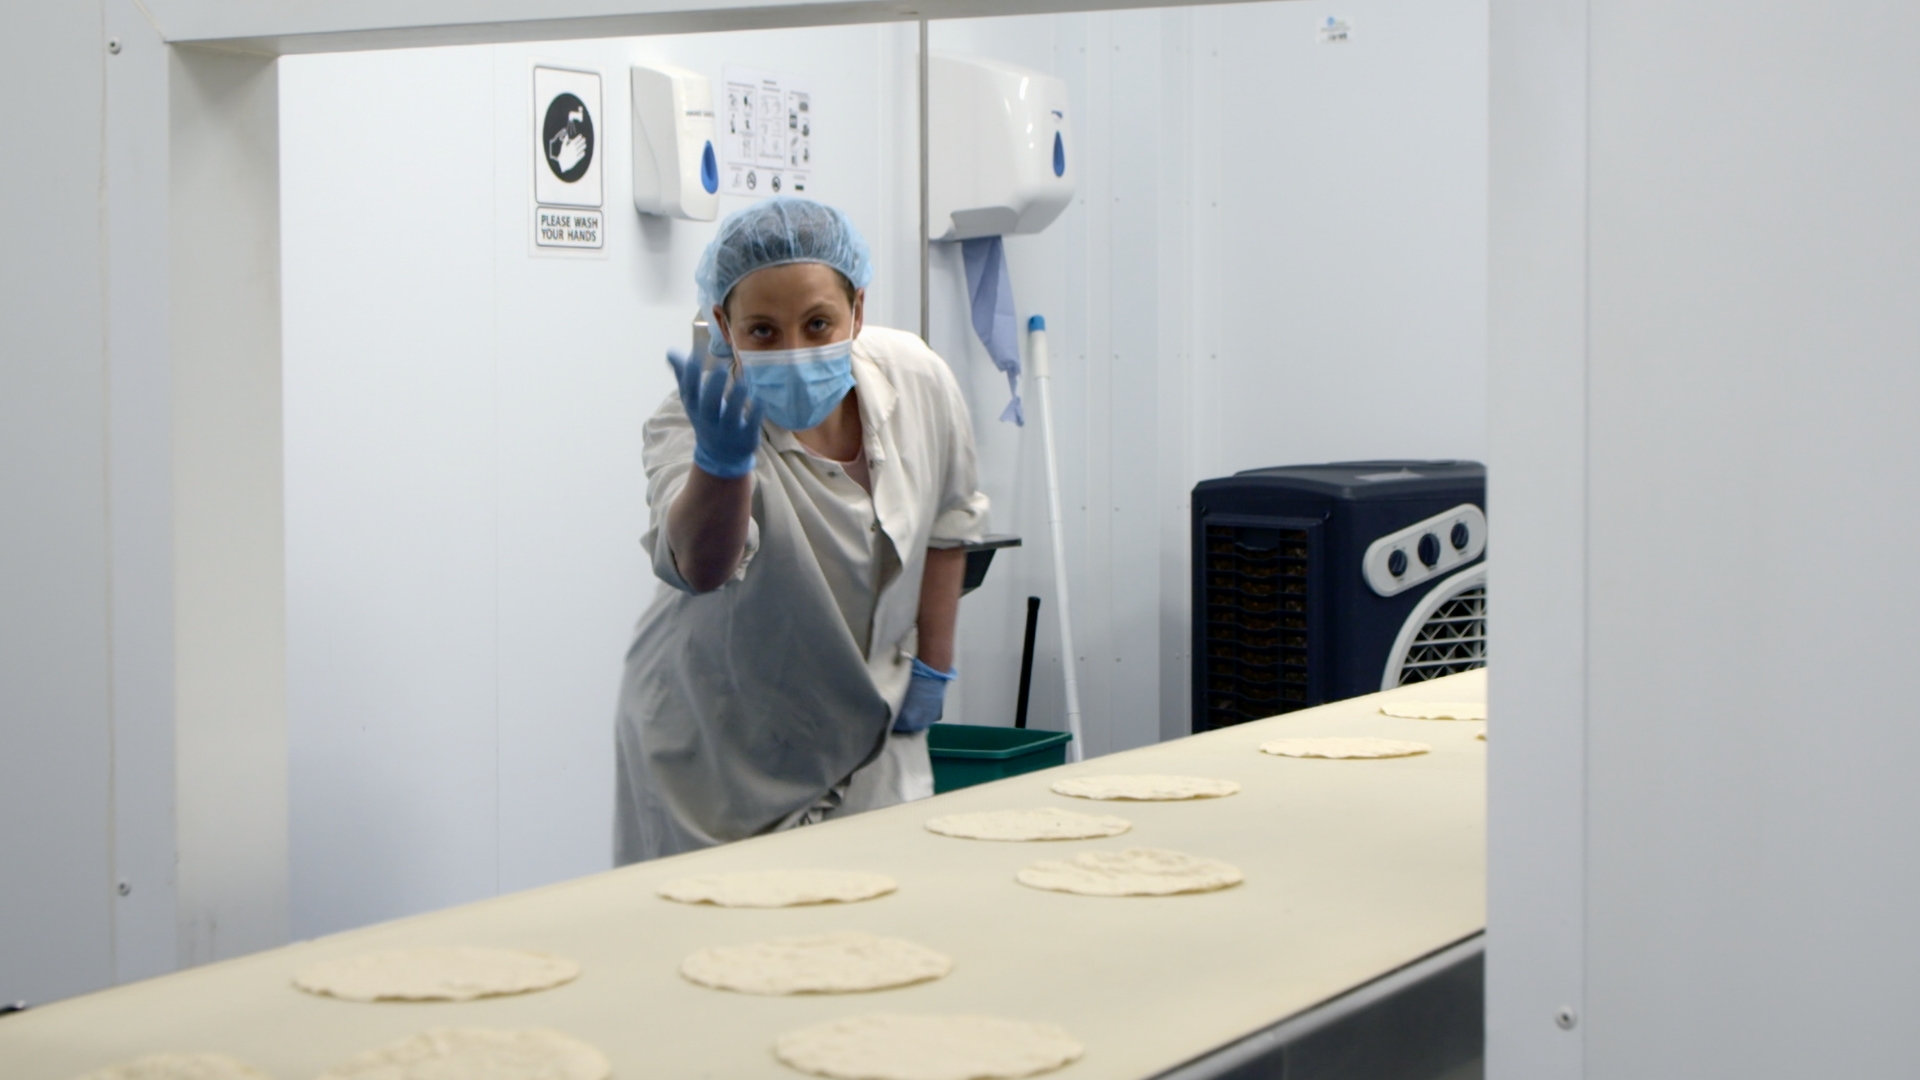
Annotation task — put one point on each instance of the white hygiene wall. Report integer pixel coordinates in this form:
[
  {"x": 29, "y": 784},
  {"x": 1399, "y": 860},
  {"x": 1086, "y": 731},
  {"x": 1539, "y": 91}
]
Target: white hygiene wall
[
  {"x": 1277, "y": 256},
  {"x": 1731, "y": 186},
  {"x": 1754, "y": 267},
  {"x": 1233, "y": 287},
  {"x": 142, "y": 754},
  {"x": 465, "y": 488},
  {"x": 56, "y": 762}
]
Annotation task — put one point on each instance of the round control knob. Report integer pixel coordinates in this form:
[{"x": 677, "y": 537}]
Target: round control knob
[
  {"x": 1429, "y": 548},
  {"x": 1459, "y": 536},
  {"x": 1397, "y": 563}
]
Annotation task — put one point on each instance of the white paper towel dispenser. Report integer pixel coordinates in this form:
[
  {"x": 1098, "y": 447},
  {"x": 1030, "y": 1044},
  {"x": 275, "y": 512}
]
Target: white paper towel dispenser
[
  {"x": 675, "y": 172},
  {"x": 1000, "y": 148}
]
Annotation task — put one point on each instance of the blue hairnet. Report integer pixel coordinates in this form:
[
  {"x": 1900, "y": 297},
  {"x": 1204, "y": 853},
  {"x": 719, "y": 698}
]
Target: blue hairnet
[{"x": 777, "y": 232}]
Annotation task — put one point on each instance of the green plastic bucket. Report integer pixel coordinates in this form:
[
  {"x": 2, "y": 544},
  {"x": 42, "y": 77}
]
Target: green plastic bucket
[{"x": 969, "y": 754}]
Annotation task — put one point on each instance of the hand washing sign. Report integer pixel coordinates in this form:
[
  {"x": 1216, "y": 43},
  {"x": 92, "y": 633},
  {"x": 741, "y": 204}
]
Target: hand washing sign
[
  {"x": 567, "y": 191},
  {"x": 766, "y": 133}
]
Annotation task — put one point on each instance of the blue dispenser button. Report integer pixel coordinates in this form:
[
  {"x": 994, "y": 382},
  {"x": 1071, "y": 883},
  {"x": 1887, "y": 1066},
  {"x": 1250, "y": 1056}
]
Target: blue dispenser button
[
  {"x": 1059, "y": 156},
  {"x": 709, "y": 170}
]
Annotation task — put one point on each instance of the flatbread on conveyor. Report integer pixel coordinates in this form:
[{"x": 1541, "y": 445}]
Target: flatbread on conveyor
[
  {"x": 1348, "y": 746},
  {"x": 179, "y": 1067},
  {"x": 460, "y": 973},
  {"x": 479, "y": 1054},
  {"x": 1436, "y": 710},
  {"x": 1144, "y": 788},
  {"x": 891, "y": 1046},
  {"x": 779, "y": 888},
  {"x": 841, "y": 963},
  {"x": 1043, "y": 823},
  {"x": 1132, "y": 872}
]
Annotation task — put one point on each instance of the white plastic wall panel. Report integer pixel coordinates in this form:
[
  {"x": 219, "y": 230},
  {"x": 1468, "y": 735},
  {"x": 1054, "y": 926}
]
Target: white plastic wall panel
[
  {"x": 55, "y": 738},
  {"x": 392, "y": 465},
  {"x": 228, "y": 535},
  {"x": 1537, "y": 582},
  {"x": 141, "y": 492},
  {"x": 1755, "y": 254},
  {"x": 1352, "y": 236}
]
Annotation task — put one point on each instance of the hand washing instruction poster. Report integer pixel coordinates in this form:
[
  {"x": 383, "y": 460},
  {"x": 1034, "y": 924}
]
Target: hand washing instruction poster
[
  {"x": 567, "y": 192},
  {"x": 766, "y": 132}
]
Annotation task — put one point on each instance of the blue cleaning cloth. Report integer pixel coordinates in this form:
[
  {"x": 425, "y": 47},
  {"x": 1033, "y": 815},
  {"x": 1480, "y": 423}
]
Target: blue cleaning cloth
[{"x": 991, "y": 291}]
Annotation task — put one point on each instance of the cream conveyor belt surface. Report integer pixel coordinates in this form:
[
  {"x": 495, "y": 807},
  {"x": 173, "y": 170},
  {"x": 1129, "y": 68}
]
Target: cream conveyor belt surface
[{"x": 1355, "y": 870}]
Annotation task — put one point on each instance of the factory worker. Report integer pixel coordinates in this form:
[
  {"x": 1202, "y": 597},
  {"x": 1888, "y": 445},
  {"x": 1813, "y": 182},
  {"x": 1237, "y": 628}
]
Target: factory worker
[{"x": 808, "y": 485}]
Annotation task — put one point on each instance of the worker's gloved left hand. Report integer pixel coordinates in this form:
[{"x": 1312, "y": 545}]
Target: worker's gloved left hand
[{"x": 926, "y": 698}]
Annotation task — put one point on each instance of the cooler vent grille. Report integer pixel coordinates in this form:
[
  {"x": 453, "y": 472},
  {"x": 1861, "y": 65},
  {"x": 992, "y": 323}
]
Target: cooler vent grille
[
  {"x": 1256, "y": 638},
  {"x": 1452, "y": 640}
]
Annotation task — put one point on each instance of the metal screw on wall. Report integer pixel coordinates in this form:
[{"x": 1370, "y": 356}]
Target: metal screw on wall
[
  {"x": 113, "y": 46},
  {"x": 1565, "y": 1017},
  {"x": 124, "y": 888}
]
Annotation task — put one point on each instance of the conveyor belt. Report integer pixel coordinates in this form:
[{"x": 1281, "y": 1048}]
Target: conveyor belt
[{"x": 1357, "y": 873}]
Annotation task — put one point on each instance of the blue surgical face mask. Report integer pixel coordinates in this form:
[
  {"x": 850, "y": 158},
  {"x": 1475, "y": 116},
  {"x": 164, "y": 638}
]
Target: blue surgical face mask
[{"x": 799, "y": 388}]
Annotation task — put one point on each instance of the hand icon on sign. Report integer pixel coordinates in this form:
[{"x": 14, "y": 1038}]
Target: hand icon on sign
[{"x": 568, "y": 152}]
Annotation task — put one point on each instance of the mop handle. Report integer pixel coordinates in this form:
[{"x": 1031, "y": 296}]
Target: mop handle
[{"x": 1043, "y": 377}]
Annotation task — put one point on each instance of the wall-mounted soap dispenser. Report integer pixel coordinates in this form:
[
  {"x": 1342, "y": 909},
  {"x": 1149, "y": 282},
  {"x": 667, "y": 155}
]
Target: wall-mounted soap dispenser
[{"x": 675, "y": 172}]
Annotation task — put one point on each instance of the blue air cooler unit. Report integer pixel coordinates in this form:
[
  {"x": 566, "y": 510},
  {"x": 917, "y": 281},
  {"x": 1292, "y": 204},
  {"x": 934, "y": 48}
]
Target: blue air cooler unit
[{"x": 1313, "y": 583}]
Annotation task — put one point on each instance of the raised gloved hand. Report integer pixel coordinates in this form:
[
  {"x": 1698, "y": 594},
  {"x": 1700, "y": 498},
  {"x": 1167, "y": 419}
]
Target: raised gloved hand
[
  {"x": 726, "y": 425},
  {"x": 926, "y": 698}
]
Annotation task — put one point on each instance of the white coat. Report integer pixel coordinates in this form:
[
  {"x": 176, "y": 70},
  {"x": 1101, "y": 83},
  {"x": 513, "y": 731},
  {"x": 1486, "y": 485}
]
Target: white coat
[{"x": 752, "y": 706}]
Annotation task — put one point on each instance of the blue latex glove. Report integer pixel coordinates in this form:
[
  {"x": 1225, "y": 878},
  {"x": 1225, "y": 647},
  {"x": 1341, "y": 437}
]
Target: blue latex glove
[
  {"x": 926, "y": 698},
  {"x": 726, "y": 426}
]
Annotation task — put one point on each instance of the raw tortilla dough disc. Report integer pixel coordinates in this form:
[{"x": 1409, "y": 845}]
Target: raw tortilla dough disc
[
  {"x": 1436, "y": 710},
  {"x": 1043, "y": 823},
  {"x": 479, "y": 1054},
  {"x": 1335, "y": 746},
  {"x": 1145, "y": 788},
  {"x": 816, "y": 964},
  {"x": 179, "y": 1067},
  {"x": 779, "y": 888},
  {"x": 891, "y": 1046},
  {"x": 1133, "y": 872},
  {"x": 460, "y": 973}
]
